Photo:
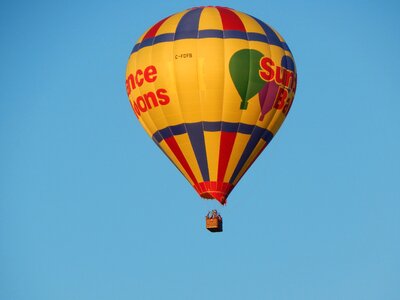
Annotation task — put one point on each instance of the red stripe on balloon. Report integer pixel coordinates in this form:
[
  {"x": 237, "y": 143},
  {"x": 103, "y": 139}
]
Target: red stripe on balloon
[
  {"x": 173, "y": 145},
  {"x": 230, "y": 20},
  {"x": 153, "y": 30},
  {"x": 225, "y": 151}
]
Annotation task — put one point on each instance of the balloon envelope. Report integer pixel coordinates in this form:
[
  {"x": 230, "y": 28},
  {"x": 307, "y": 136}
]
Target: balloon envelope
[{"x": 211, "y": 86}]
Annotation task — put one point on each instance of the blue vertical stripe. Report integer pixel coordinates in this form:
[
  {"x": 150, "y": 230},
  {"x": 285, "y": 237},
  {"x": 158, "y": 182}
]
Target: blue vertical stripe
[
  {"x": 272, "y": 37},
  {"x": 196, "y": 136},
  {"x": 188, "y": 26},
  {"x": 287, "y": 62},
  {"x": 255, "y": 137},
  {"x": 196, "y": 131},
  {"x": 267, "y": 136}
]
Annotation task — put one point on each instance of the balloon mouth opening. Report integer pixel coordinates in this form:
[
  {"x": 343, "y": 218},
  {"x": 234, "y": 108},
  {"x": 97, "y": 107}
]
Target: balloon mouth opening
[
  {"x": 214, "y": 195},
  {"x": 214, "y": 190}
]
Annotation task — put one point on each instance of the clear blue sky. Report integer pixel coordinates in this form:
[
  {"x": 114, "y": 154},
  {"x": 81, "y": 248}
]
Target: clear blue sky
[{"x": 90, "y": 209}]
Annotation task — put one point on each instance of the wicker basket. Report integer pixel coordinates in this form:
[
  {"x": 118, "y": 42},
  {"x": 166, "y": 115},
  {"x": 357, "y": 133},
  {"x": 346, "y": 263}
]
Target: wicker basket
[{"x": 214, "y": 224}]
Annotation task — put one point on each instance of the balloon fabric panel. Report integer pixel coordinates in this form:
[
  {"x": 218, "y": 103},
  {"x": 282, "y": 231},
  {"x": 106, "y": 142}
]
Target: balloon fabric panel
[{"x": 211, "y": 86}]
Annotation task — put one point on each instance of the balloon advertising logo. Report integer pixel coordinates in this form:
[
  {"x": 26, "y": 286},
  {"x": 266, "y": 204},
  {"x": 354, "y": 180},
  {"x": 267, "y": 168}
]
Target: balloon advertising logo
[
  {"x": 253, "y": 73},
  {"x": 244, "y": 69}
]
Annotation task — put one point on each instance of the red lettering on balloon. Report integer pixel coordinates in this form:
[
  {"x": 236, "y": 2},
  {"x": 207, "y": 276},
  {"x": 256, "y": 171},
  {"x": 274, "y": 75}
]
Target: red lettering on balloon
[
  {"x": 153, "y": 97},
  {"x": 147, "y": 100},
  {"x": 139, "y": 77},
  {"x": 129, "y": 83},
  {"x": 141, "y": 103},
  {"x": 281, "y": 75},
  {"x": 162, "y": 96},
  {"x": 267, "y": 73},
  {"x": 135, "y": 108},
  {"x": 286, "y": 80},
  {"x": 288, "y": 105},
  {"x": 281, "y": 98},
  {"x": 150, "y": 74},
  {"x": 289, "y": 79}
]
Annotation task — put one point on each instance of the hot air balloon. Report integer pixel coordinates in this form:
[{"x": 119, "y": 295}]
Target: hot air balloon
[{"x": 211, "y": 86}]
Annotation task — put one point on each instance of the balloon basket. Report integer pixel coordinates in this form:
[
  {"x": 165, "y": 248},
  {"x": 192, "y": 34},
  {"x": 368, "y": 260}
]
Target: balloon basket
[{"x": 214, "y": 222}]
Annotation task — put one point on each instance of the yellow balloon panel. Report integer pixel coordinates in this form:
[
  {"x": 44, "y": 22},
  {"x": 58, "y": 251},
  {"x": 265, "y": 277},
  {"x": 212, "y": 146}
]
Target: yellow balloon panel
[{"x": 211, "y": 86}]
